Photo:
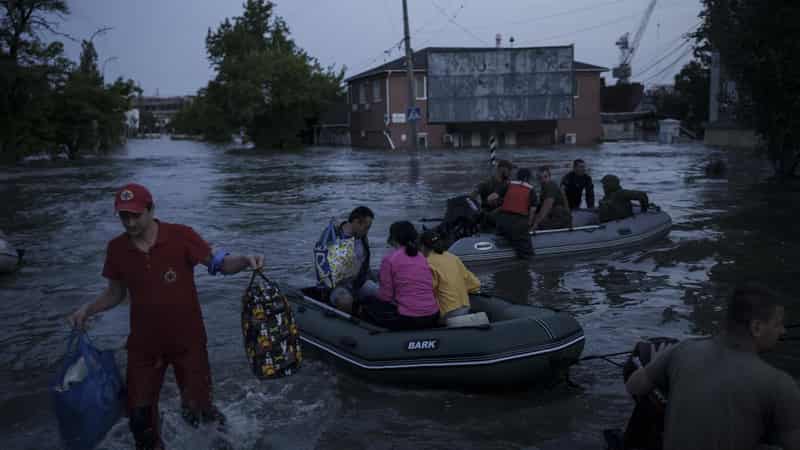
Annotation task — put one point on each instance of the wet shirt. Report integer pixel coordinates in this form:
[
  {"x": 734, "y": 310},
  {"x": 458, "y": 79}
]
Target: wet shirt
[
  {"x": 408, "y": 282},
  {"x": 723, "y": 399},
  {"x": 452, "y": 281},
  {"x": 574, "y": 185},
  {"x": 165, "y": 311},
  {"x": 558, "y": 213}
]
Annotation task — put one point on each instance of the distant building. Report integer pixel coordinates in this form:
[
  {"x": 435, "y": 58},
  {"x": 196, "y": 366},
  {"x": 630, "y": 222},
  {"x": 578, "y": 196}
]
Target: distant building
[
  {"x": 333, "y": 128},
  {"x": 163, "y": 108},
  {"x": 378, "y": 100}
]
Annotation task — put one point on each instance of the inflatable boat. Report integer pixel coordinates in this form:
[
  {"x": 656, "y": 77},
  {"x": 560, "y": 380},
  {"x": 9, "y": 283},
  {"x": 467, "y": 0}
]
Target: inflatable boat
[
  {"x": 586, "y": 235},
  {"x": 519, "y": 345},
  {"x": 10, "y": 258}
]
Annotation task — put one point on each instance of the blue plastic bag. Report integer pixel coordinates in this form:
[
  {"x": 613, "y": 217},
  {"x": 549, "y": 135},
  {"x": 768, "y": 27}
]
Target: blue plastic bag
[{"x": 87, "y": 393}]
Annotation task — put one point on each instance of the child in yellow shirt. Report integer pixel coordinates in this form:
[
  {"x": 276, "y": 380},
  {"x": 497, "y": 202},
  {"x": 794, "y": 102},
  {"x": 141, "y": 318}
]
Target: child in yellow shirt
[{"x": 452, "y": 281}]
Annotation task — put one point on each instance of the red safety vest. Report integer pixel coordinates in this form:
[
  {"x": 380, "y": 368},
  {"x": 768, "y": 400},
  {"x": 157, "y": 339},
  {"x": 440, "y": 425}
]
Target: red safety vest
[{"x": 517, "y": 198}]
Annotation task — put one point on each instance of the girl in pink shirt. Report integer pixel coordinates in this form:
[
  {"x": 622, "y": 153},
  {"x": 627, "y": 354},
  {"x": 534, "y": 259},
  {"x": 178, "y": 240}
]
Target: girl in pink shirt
[{"x": 406, "y": 283}]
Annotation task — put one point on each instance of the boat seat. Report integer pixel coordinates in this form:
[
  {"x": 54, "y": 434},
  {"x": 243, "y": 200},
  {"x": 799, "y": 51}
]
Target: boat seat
[{"x": 468, "y": 320}]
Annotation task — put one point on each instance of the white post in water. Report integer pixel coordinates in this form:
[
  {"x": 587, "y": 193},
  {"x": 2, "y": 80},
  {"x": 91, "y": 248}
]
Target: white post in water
[{"x": 492, "y": 147}]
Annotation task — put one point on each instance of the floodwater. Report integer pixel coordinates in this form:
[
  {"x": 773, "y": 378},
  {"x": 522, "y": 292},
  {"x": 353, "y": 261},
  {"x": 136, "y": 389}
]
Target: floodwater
[{"x": 726, "y": 229}]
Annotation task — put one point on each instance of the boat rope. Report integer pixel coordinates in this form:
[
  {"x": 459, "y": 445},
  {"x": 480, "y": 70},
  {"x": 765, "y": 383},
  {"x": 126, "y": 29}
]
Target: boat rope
[{"x": 605, "y": 356}]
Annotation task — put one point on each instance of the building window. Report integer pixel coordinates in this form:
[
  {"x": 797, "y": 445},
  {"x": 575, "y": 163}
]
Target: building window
[
  {"x": 362, "y": 93},
  {"x": 376, "y": 91},
  {"x": 576, "y": 86},
  {"x": 421, "y": 86}
]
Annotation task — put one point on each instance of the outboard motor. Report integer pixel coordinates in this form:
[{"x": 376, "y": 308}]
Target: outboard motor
[{"x": 462, "y": 219}]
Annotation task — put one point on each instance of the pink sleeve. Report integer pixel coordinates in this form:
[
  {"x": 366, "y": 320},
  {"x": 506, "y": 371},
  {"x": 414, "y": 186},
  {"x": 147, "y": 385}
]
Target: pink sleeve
[{"x": 386, "y": 290}]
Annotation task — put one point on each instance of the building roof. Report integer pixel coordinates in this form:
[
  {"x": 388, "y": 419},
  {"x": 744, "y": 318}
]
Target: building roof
[{"x": 420, "y": 58}]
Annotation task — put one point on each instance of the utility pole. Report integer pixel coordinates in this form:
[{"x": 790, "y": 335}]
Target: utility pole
[{"x": 412, "y": 96}]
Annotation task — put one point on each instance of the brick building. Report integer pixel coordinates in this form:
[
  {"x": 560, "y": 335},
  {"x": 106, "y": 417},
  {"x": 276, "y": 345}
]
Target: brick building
[{"x": 378, "y": 100}]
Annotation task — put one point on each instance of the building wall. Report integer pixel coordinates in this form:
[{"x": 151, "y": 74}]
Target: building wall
[
  {"x": 586, "y": 123},
  {"x": 367, "y": 118}
]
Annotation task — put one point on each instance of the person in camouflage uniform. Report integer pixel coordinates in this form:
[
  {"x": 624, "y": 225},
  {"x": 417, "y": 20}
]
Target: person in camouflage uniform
[
  {"x": 616, "y": 203},
  {"x": 553, "y": 211}
]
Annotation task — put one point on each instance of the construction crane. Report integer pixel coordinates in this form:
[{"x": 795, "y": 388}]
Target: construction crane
[{"x": 628, "y": 48}]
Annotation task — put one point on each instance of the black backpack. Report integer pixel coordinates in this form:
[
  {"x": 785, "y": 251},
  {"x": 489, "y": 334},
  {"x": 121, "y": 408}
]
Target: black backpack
[{"x": 271, "y": 335}]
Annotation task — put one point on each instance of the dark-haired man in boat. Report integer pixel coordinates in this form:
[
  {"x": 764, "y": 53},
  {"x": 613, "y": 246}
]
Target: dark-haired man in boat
[
  {"x": 154, "y": 261},
  {"x": 722, "y": 395},
  {"x": 341, "y": 260},
  {"x": 616, "y": 202},
  {"x": 575, "y": 183}
]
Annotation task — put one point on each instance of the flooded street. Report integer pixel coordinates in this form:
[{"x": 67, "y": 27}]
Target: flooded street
[{"x": 725, "y": 230}]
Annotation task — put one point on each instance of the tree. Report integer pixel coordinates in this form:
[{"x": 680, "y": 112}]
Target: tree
[
  {"x": 758, "y": 42},
  {"x": 692, "y": 84},
  {"x": 147, "y": 122},
  {"x": 29, "y": 71},
  {"x": 264, "y": 84}
]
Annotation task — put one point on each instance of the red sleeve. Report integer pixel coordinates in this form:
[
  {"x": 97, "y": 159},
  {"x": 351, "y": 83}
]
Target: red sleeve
[
  {"x": 197, "y": 250},
  {"x": 111, "y": 268}
]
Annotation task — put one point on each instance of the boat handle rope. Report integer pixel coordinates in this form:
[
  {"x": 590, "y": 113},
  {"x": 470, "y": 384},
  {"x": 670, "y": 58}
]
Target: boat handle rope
[{"x": 606, "y": 356}]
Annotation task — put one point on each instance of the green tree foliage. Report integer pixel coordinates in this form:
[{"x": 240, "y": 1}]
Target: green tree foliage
[
  {"x": 759, "y": 44},
  {"x": 265, "y": 84},
  {"x": 47, "y": 103},
  {"x": 692, "y": 83},
  {"x": 148, "y": 122},
  {"x": 29, "y": 70}
]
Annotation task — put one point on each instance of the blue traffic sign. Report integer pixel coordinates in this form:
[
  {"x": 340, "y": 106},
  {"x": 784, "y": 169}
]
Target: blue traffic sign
[{"x": 414, "y": 114}]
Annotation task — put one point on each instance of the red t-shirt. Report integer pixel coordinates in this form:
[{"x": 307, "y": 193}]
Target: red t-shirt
[{"x": 165, "y": 312}]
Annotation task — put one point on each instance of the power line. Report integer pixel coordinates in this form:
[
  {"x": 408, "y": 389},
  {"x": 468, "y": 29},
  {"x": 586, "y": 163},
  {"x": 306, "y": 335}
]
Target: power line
[
  {"x": 581, "y": 30},
  {"x": 550, "y": 16},
  {"x": 670, "y": 66},
  {"x": 387, "y": 53},
  {"x": 655, "y": 64},
  {"x": 464, "y": 29}
]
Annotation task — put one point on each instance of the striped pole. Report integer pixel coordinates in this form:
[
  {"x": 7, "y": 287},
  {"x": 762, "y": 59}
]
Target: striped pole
[{"x": 492, "y": 148}]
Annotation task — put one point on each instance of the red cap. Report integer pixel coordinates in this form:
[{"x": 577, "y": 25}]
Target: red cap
[{"x": 132, "y": 198}]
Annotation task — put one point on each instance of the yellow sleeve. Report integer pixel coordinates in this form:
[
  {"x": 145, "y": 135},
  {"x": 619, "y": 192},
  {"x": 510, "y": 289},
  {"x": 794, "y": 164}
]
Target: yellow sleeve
[
  {"x": 472, "y": 282},
  {"x": 435, "y": 275}
]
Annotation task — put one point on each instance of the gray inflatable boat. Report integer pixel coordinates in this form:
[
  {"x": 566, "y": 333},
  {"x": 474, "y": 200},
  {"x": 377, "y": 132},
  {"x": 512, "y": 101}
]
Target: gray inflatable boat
[
  {"x": 520, "y": 345},
  {"x": 586, "y": 235}
]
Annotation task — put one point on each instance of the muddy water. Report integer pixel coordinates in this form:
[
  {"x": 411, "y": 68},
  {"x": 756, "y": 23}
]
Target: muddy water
[{"x": 275, "y": 203}]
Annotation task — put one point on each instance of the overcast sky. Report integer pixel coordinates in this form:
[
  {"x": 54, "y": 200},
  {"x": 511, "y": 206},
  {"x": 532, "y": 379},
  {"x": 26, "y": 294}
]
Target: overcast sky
[{"x": 161, "y": 43}]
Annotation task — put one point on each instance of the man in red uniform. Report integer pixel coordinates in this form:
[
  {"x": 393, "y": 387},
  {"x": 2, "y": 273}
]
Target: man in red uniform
[
  {"x": 154, "y": 262},
  {"x": 517, "y": 212}
]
